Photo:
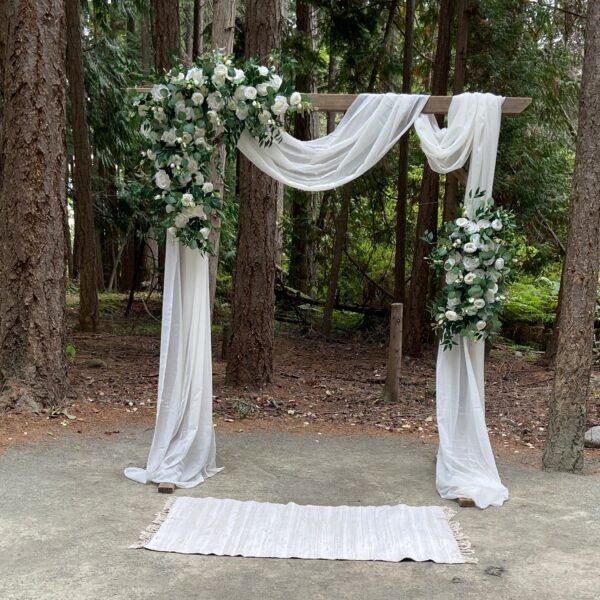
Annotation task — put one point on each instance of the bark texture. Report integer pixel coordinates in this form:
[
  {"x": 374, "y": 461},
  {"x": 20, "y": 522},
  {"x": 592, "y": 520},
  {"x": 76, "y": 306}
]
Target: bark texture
[
  {"x": 564, "y": 444},
  {"x": 165, "y": 33},
  {"x": 223, "y": 30},
  {"x": 403, "y": 149},
  {"x": 33, "y": 363},
  {"x": 197, "y": 42},
  {"x": 417, "y": 316},
  {"x": 82, "y": 176},
  {"x": 302, "y": 271},
  {"x": 253, "y": 303}
]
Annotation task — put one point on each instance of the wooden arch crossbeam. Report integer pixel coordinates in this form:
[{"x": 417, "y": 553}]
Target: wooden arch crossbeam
[{"x": 437, "y": 105}]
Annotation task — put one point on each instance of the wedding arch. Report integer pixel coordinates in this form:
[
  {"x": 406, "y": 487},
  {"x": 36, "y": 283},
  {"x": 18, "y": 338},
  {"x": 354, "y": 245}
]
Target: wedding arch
[{"x": 183, "y": 448}]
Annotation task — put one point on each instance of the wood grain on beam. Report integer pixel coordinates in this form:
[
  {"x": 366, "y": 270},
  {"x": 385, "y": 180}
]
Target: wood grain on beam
[{"x": 435, "y": 105}]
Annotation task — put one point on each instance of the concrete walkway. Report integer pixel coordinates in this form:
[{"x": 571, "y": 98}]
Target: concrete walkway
[{"x": 67, "y": 516}]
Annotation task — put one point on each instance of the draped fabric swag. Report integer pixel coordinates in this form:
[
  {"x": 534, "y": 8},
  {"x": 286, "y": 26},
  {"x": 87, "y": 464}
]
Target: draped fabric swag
[{"x": 183, "y": 448}]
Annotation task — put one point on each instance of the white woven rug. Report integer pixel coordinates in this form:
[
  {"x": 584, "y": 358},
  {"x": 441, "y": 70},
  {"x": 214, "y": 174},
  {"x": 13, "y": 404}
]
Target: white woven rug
[{"x": 261, "y": 529}]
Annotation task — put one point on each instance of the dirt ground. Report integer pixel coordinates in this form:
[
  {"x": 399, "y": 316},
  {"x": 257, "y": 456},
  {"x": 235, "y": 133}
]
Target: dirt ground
[{"x": 322, "y": 386}]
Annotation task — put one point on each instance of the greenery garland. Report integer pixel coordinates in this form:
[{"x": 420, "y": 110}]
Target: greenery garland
[
  {"x": 186, "y": 116},
  {"x": 475, "y": 257}
]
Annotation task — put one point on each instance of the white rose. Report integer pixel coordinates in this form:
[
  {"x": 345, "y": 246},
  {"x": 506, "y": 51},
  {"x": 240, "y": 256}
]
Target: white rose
[
  {"x": 494, "y": 289},
  {"x": 451, "y": 315},
  {"x": 469, "y": 278},
  {"x": 275, "y": 82},
  {"x": 169, "y": 208},
  {"x": 151, "y": 155},
  {"x": 196, "y": 75},
  {"x": 215, "y": 101},
  {"x": 261, "y": 89},
  {"x": 483, "y": 224},
  {"x": 205, "y": 231},
  {"x": 169, "y": 137},
  {"x": 199, "y": 133},
  {"x": 239, "y": 93},
  {"x": 157, "y": 90},
  {"x": 178, "y": 77},
  {"x": 239, "y": 76},
  {"x": 470, "y": 262},
  {"x": 481, "y": 325},
  {"x": 490, "y": 297},
  {"x": 197, "y": 98},
  {"x": 295, "y": 98},
  {"x": 192, "y": 165},
  {"x": 159, "y": 114},
  {"x": 214, "y": 117},
  {"x": 452, "y": 302},
  {"x": 263, "y": 71},
  {"x": 462, "y": 222},
  {"x": 142, "y": 110},
  {"x": 470, "y": 247},
  {"x": 479, "y": 303},
  {"x": 187, "y": 200},
  {"x": 280, "y": 106},
  {"x": 198, "y": 179},
  {"x": 181, "y": 220},
  {"x": 499, "y": 264},
  {"x": 162, "y": 179},
  {"x": 186, "y": 137},
  {"x": 250, "y": 92},
  {"x": 220, "y": 70},
  {"x": 241, "y": 112},
  {"x": 264, "y": 117},
  {"x": 497, "y": 224},
  {"x": 451, "y": 277},
  {"x": 232, "y": 104},
  {"x": 208, "y": 187},
  {"x": 218, "y": 81}
]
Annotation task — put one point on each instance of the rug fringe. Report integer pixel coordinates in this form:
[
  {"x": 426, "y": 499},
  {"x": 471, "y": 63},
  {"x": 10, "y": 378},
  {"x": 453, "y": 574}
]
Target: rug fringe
[
  {"x": 464, "y": 544},
  {"x": 151, "y": 530}
]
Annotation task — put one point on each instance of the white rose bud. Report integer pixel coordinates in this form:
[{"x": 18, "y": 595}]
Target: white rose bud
[
  {"x": 250, "y": 92},
  {"x": 497, "y": 224},
  {"x": 481, "y": 325},
  {"x": 499, "y": 264},
  {"x": 451, "y": 315},
  {"x": 205, "y": 231},
  {"x": 187, "y": 200},
  {"x": 263, "y": 71},
  {"x": 295, "y": 98}
]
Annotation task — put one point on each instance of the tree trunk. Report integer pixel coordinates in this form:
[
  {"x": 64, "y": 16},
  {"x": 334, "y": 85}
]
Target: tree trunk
[
  {"x": 386, "y": 38},
  {"x": 146, "y": 43},
  {"x": 302, "y": 271},
  {"x": 416, "y": 318},
  {"x": 223, "y": 30},
  {"x": 464, "y": 9},
  {"x": 33, "y": 366},
  {"x": 341, "y": 228},
  {"x": 198, "y": 44},
  {"x": 82, "y": 177},
  {"x": 564, "y": 444},
  {"x": 253, "y": 303},
  {"x": 165, "y": 33},
  {"x": 402, "y": 201}
]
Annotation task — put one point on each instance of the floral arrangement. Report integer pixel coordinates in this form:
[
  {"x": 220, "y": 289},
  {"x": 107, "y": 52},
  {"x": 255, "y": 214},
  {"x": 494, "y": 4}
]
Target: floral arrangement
[
  {"x": 186, "y": 116},
  {"x": 475, "y": 257}
]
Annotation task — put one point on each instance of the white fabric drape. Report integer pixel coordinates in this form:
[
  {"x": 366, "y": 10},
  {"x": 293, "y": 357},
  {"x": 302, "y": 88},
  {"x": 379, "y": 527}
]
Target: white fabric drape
[
  {"x": 465, "y": 461},
  {"x": 183, "y": 448},
  {"x": 368, "y": 130}
]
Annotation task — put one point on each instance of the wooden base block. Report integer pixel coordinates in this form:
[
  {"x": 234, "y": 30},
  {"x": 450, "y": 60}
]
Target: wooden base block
[
  {"x": 166, "y": 488},
  {"x": 466, "y": 502}
]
